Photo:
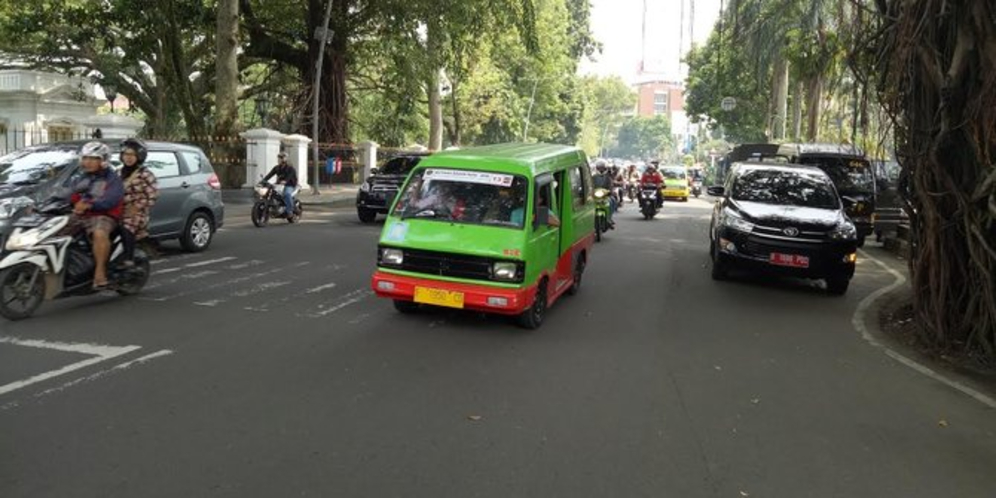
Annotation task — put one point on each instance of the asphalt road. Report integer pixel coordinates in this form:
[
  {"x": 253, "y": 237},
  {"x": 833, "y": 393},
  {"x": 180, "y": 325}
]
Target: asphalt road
[{"x": 265, "y": 367}]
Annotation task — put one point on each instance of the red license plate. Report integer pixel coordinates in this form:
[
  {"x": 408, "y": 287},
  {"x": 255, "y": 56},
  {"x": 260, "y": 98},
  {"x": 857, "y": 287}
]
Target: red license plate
[{"x": 791, "y": 260}]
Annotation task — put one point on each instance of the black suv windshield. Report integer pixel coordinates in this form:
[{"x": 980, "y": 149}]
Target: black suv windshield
[
  {"x": 34, "y": 165},
  {"x": 399, "y": 166},
  {"x": 850, "y": 175},
  {"x": 462, "y": 196},
  {"x": 785, "y": 188}
]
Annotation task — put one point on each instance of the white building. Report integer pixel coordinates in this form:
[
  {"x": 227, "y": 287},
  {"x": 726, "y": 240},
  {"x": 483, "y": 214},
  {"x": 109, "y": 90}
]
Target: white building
[{"x": 39, "y": 107}]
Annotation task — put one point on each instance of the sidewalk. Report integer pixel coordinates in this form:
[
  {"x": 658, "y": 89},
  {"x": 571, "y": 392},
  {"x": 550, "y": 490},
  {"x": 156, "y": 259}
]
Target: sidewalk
[{"x": 337, "y": 195}]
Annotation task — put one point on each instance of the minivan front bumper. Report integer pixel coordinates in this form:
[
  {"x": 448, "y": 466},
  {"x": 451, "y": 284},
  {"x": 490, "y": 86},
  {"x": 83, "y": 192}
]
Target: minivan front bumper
[
  {"x": 475, "y": 297},
  {"x": 753, "y": 252}
]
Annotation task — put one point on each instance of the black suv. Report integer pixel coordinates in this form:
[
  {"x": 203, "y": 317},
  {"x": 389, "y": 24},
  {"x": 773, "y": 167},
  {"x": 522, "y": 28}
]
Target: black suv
[
  {"x": 377, "y": 193},
  {"x": 783, "y": 219}
]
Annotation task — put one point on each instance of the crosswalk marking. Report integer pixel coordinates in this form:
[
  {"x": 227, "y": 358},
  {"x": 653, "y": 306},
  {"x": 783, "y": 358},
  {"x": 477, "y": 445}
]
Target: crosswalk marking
[
  {"x": 226, "y": 283},
  {"x": 340, "y": 303}
]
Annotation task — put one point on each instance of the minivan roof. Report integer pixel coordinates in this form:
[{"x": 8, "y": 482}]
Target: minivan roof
[
  {"x": 773, "y": 166},
  {"x": 517, "y": 158},
  {"x": 820, "y": 149}
]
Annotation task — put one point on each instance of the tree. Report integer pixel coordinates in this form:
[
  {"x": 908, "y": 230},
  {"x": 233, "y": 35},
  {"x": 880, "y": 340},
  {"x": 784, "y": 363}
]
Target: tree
[
  {"x": 227, "y": 68},
  {"x": 165, "y": 68},
  {"x": 933, "y": 65},
  {"x": 642, "y": 137},
  {"x": 606, "y": 100}
]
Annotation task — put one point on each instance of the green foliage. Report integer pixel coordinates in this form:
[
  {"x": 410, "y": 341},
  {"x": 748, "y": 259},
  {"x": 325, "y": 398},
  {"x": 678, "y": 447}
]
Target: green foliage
[
  {"x": 643, "y": 137},
  {"x": 607, "y": 101}
]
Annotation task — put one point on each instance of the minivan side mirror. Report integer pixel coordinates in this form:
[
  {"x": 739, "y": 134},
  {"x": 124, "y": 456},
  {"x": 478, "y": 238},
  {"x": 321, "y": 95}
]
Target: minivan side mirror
[{"x": 716, "y": 191}]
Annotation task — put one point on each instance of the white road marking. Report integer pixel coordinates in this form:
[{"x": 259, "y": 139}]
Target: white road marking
[
  {"x": 210, "y": 262},
  {"x": 859, "y": 321},
  {"x": 248, "y": 264},
  {"x": 166, "y": 270},
  {"x": 226, "y": 283},
  {"x": 189, "y": 276},
  {"x": 343, "y": 301},
  {"x": 98, "y": 351},
  {"x": 320, "y": 288},
  {"x": 174, "y": 259},
  {"x": 212, "y": 303},
  {"x": 94, "y": 376},
  {"x": 259, "y": 289}
]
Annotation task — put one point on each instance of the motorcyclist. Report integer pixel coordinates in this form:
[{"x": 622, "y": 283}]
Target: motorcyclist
[
  {"x": 140, "y": 193},
  {"x": 97, "y": 198},
  {"x": 632, "y": 179},
  {"x": 286, "y": 175},
  {"x": 603, "y": 179},
  {"x": 618, "y": 184},
  {"x": 655, "y": 178}
]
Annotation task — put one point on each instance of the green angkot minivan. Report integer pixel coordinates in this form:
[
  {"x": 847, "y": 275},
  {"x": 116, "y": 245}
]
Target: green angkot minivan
[{"x": 504, "y": 229}]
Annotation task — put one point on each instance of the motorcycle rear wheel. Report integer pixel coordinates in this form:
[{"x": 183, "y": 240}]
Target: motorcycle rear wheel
[
  {"x": 134, "y": 285},
  {"x": 14, "y": 288}
]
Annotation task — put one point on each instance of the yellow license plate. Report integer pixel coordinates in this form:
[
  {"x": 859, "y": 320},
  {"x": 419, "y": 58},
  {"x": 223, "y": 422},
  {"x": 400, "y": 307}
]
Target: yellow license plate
[{"x": 438, "y": 297}]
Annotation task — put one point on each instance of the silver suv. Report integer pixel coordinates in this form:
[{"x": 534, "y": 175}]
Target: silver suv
[{"x": 189, "y": 206}]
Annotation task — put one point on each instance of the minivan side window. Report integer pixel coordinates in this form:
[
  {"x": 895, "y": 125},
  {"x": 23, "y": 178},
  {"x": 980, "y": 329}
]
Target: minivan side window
[
  {"x": 577, "y": 186},
  {"x": 163, "y": 164},
  {"x": 193, "y": 160}
]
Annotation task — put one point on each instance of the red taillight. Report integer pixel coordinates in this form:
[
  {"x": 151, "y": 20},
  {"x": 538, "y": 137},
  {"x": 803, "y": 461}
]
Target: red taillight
[{"x": 214, "y": 182}]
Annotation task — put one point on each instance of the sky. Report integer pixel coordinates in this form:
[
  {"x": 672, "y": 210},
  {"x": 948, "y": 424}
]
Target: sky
[{"x": 617, "y": 25}]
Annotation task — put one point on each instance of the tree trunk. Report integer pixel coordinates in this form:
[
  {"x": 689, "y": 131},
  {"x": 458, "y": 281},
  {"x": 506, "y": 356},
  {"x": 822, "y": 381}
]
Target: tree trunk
[
  {"x": 432, "y": 88},
  {"x": 814, "y": 107},
  {"x": 227, "y": 68},
  {"x": 456, "y": 134},
  {"x": 780, "y": 89},
  {"x": 797, "y": 96}
]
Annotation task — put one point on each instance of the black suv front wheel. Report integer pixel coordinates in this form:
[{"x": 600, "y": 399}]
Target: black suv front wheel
[
  {"x": 366, "y": 215},
  {"x": 837, "y": 286}
]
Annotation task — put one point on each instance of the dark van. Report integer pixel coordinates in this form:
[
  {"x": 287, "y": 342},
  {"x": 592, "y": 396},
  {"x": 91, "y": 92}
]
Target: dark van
[{"x": 377, "y": 193}]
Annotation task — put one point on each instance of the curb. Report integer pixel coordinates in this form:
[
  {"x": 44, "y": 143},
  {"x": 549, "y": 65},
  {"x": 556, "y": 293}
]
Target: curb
[{"x": 870, "y": 331}]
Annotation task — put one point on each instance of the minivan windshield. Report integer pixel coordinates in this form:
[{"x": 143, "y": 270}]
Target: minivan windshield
[
  {"x": 673, "y": 173},
  {"x": 785, "y": 188},
  {"x": 34, "y": 165},
  {"x": 850, "y": 175},
  {"x": 463, "y": 196}
]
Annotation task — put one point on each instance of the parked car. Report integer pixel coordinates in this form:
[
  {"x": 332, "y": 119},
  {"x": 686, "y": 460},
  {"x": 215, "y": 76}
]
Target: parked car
[
  {"x": 782, "y": 219},
  {"x": 377, "y": 193},
  {"x": 189, "y": 206}
]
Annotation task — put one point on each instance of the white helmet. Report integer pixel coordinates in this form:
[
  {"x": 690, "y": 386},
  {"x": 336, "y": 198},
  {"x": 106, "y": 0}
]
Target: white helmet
[{"x": 95, "y": 149}]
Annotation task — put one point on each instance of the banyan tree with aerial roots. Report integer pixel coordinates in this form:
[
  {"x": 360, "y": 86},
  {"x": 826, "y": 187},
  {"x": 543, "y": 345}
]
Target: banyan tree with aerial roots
[{"x": 933, "y": 64}]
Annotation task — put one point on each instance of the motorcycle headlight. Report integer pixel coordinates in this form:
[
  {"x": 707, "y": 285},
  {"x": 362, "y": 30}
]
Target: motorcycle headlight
[
  {"x": 504, "y": 270},
  {"x": 10, "y": 207},
  {"x": 393, "y": 257},
  {"x": 734, "y": 221},
  {"x": 601, "y": 193},
  {"x": 365, "y": 187},
  {"x": 844, "y": 231},
  {"x": 261, "y": 190},
  {"x": 24, "y": 240}
]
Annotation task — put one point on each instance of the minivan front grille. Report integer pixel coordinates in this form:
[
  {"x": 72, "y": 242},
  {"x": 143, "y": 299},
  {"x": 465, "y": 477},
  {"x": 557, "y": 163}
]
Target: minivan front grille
[{"x": 446, "y": 264}]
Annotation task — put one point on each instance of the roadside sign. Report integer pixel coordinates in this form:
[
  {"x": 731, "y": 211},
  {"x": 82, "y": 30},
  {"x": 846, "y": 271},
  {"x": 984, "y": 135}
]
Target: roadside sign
[{"x": 728, "y": 104}]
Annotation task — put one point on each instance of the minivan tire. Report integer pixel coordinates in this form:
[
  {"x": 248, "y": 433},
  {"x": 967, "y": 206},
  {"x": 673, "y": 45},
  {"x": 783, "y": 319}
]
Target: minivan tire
[
  {"x": 578, "y": 275},
  {"x": 532, "y": 318},
  {"x": 366, "y": 215},
  {"x": 837, "y": 286},
  {"x": 198, "y": 233}
]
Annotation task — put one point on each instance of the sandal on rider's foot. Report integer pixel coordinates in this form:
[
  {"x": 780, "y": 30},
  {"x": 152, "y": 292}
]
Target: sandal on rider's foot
[{"x": 100, "y": 285}]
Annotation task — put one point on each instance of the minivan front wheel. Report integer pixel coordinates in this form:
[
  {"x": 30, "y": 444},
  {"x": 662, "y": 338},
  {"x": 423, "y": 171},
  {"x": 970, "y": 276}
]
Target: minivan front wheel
[
  {"x": 198, "y": 233},
  {"x": 532, "y": 318}
]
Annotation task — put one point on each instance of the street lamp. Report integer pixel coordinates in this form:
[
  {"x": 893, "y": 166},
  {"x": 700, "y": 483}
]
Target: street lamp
[
  {"x": 262, "y": 108},
  {"x": 111, "y": 92}
]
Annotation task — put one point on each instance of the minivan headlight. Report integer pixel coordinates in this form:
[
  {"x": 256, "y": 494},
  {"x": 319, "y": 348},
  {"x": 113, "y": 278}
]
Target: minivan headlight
[
  {"x": 394, "y": 257},
  {"x": 9, "y": 207},
  {"x": 504, "y": 270},
  {"x": 844, "y": 231},
  {"x": 734, "y": 221}
]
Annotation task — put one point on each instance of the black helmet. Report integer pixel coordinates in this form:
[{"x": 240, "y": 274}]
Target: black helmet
[{"x": 136, "y": 145}]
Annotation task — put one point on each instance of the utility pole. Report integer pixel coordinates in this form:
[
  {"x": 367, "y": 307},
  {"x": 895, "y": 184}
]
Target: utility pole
[{"x": 324, "y": 39}]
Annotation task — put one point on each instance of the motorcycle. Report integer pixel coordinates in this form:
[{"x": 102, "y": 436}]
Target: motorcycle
[
  {"x": 649, "y": 204},
  {"x": 44, "y": 262},
  {"x": 633, "y": 191},
  {"x": 602, "y": 208},
  {"x": 697, "y": 188},
  {"x": 270, "y": 203}
]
